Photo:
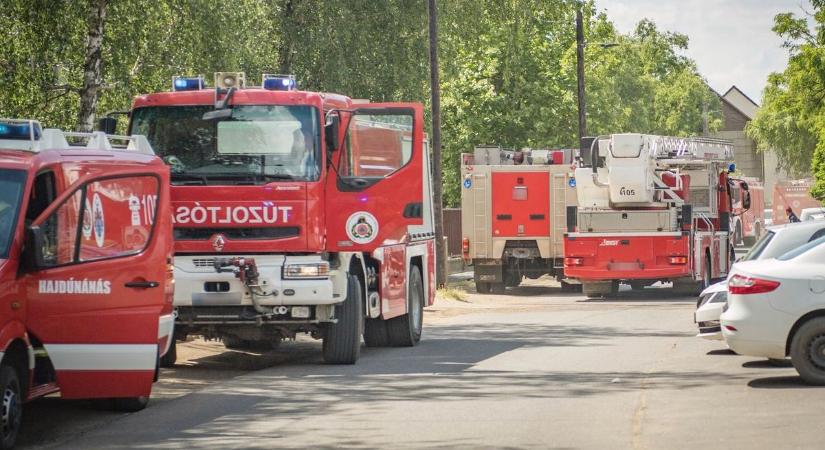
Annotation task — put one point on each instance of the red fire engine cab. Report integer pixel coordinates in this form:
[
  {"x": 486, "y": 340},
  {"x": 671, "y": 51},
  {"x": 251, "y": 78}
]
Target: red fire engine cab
[
  {"x": 651, "y": 208},
  {"x": 85, "y": 268},
  {"x": 294, "y": 212}
]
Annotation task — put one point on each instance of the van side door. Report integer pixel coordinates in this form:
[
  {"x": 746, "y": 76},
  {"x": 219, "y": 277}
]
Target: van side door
[{"x": 95, "y": 298}]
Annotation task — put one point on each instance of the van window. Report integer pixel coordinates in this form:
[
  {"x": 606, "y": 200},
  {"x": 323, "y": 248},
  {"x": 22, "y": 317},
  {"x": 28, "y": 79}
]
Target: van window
[
  {"x": 12, "y": 184},
  {"x": 118, "y": 217},
  {"x": 41, "y": 195},
  {"x": 103, "y": 219}
]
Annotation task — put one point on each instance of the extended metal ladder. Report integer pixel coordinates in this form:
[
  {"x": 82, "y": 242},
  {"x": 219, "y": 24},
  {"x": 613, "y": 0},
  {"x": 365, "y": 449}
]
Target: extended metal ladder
[{"x": 481, "y": 215}]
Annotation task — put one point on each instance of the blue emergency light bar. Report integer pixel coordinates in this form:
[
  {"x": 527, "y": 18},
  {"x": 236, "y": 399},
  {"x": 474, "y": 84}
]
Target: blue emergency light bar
[
  {"x": 187, "y": 83},
  {"x": 279, "y": 82},
  {"x": 20, "y": 130}
]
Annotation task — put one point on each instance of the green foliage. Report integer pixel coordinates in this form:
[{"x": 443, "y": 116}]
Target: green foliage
[
  {"x": 507, "y": 66},
  {"x": 791, "y": 121}
]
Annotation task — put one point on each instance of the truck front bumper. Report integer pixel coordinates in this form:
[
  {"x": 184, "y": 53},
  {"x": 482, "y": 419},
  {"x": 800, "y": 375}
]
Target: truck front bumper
[{"x": 198, "y": 284}]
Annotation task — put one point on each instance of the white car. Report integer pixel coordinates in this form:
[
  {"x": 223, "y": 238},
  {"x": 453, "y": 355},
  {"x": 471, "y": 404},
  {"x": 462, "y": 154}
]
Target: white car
[
  {"x": 776, "y": 308},
  {"x": 812, "y": 214},
  {"x": 774, "y": 242}
]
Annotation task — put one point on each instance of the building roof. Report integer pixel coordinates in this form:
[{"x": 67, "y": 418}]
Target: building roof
[{"x": 739, "y": 100}]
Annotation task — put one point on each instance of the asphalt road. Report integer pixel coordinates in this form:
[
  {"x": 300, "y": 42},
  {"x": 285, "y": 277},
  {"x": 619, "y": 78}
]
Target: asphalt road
[{"x": 536, "y": 368}]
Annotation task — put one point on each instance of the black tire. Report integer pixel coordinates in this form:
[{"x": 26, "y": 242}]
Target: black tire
[
  {"x": 342, "y": 340},
  {"x": 129, "y": 404},
  {"x": 808, "y": 351},
  {"x": 483, "y": 288},
  {"x": 375, "y": 333},
  {"x": 707, "y": 274},
  {"x": 637, "y": 285},
  {"x": 12, "y": 406},
  {"x": 570, "y": 287},
  {"x": 261, "y": 345},
  {"x": 498, "y": 288},
  {"x": 591, "y": 291},
  {"x": 614, "y": 289},
  {"x": 405, "y": 331},
  {"x": 171, "y": 357},
  {"x": 779, "y": 362},
  {"x": 512, "y": 279}
]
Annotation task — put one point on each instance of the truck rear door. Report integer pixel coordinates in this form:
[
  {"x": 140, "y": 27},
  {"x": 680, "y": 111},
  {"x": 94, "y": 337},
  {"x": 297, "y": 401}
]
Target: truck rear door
[{"x": 96, "y": 297}]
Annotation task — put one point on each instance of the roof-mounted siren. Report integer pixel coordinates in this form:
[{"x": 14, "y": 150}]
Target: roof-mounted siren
[
  {"x": 226, "y": 80},
  {"x": 182, "y": 83},
  {"x": 274, "y": 82}
]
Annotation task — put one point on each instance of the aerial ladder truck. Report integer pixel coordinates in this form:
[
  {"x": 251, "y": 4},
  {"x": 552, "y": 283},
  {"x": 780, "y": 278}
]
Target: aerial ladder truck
[{"x": 652, "y": 209}]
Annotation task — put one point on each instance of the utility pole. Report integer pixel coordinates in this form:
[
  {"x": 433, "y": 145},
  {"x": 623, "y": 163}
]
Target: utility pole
[
  {"x": 435, "y": 92},
  {"x": 580, "y": 72}
]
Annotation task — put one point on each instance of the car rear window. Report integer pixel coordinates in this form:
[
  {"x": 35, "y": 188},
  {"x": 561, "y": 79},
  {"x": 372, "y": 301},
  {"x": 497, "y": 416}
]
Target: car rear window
[
  {"x": 759, "y": 246},
  {"x": 800, "y": 250}
]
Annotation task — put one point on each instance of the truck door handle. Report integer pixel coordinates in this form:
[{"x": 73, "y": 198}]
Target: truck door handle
[{"x": 142, "y": 284}]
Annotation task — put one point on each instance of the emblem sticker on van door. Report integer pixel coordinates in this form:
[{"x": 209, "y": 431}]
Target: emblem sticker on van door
[
  {"x": 99, "y": 221},
  {"x": 362, "y": 227}
]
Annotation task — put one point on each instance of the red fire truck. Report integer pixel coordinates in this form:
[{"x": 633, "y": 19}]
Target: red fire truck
[
  {"x": 651, "y": 208},
  {"x": 73, "y": 218},
  {"x": 513, "y": 206},
  {"x": 794, "y": 194},
  {"x": 750, "y": 224},
  {"x": 294, "y": 212}
]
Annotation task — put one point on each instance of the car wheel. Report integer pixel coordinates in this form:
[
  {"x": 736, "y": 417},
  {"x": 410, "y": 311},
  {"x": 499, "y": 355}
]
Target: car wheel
[
  {"x": 342, "y": 340},
  {"x": 808, "y": 351},
  {"x": 405, "y": 331},
  {"x": 129, "y": 404},
  {"x": 12, "y": 411}
]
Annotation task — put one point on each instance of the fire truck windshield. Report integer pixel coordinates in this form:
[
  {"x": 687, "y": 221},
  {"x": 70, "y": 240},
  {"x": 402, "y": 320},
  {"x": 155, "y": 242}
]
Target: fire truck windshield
[
  {"x": 256, "y": 144},
  {"x": 12, "y": 183}
]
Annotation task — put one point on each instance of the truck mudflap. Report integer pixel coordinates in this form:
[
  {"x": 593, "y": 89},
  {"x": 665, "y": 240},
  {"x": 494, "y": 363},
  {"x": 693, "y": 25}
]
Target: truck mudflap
[{"x": 654, "y": 256}]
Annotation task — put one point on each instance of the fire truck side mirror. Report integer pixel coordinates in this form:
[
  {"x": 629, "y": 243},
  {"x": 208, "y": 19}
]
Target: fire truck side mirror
[
  {"x": 331, "y": 131},
  {"x": 107, "y": 125},
  {"x": 746, "y": 199},
  {"x": 33, "y": 252}
]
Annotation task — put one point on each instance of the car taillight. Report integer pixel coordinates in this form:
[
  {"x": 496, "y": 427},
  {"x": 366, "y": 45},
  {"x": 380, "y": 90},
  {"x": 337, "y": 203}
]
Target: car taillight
[
  {"x": 571, "y": 261},
  {"x": 675, "y": 260},
  {"x": 739, "y": 284},
  {"x": 465, "y": 248}
]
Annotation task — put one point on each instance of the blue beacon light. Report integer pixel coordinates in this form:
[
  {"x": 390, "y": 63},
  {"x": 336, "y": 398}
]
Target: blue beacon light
[
  {"x": 187, "y": 83},
  {"x": 279, "y": 82}
]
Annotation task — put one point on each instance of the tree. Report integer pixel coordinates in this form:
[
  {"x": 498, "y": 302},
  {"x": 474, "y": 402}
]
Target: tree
[{"x": 791, "y": 121}]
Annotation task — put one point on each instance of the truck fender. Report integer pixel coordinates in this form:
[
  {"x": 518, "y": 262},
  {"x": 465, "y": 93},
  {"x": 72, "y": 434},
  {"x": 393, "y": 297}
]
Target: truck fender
[{"x": 16, "y": 330}]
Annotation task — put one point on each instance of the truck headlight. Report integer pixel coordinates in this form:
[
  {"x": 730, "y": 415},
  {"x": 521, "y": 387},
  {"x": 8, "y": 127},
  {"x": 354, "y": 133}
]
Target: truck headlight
[{"x": 305, "y": 271}]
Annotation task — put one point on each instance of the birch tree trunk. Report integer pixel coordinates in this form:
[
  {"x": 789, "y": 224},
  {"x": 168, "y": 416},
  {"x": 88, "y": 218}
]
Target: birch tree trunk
[{"x": 92, "y": 66}]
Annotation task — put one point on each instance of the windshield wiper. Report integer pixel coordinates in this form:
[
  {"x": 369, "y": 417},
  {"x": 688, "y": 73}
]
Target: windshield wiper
[
  {"x": 277, "y": 176},
  {"x": 181, "y": 176}
]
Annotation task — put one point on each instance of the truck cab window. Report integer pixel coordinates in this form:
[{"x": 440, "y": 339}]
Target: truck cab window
[{"x": 377, "y": 145}]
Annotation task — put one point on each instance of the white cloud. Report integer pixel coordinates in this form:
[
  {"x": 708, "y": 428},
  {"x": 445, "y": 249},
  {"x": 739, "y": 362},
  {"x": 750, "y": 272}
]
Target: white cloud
[{"x": 730, "y": 40}]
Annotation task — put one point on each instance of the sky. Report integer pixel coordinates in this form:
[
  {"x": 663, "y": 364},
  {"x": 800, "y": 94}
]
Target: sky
[{"x": 730, "y": 40}]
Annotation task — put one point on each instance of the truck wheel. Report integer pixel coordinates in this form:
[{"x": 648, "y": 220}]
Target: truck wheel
[
  {"x": 808, "y": 351},
  {"x": 614, "y": 289},
  {"x": 342, "y": 340},
  {"x": 570, "y": 287},
  {"x": 234, "y": 343},
  {"x": 483, "y": 288},
  {"x": 637, "y": 285},
  {"x": 12, "y": 411},
  {"x": 171, "y": 356},
  {"x": 129, "y": 404},
  {"x": 375, "y": 333},
  {"x": 498, "y": 288},
  {"x": 405, "y": 331},
  {"x": 592, "y": 290}
]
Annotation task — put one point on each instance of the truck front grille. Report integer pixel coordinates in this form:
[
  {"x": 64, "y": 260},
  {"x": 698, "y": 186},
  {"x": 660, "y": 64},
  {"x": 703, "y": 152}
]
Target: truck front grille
[{"x": 202, "y": 234}]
